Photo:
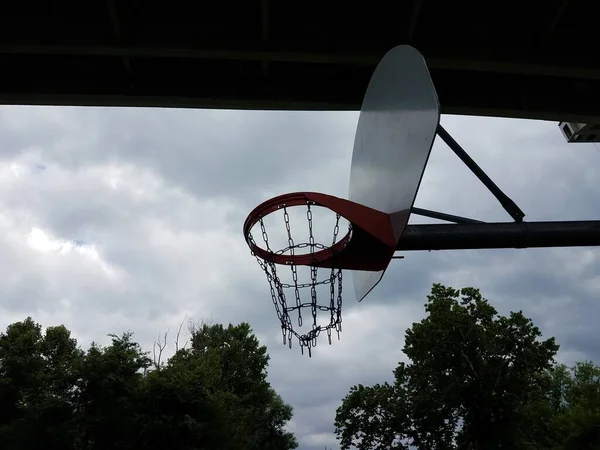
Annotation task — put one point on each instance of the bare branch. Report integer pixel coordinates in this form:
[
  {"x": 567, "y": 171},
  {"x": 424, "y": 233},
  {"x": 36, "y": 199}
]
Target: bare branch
[
  {"x": 161, "y": 346},
  {"x": 178, "y": 334}
]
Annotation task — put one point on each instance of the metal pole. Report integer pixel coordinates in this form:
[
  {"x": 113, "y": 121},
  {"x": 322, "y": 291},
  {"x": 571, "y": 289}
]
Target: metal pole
[
  {"x": 443, "y": 216},
  {"x": 507, "y": 203},
  {"x": 500, "y": 235}
]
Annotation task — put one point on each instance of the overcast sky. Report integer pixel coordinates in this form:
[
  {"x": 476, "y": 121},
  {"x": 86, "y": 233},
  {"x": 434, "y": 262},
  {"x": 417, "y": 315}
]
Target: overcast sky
[{"x": 117, "y": 219}]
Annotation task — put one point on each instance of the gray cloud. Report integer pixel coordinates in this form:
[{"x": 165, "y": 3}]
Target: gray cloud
[{"x": 116, "y": 219}]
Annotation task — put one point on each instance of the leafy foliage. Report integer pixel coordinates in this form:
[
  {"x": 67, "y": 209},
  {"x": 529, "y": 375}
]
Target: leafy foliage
[
  {"x": 475, "y": 380},
  {"x": 575, "y": 400},
  {"x": 212, "y": 395}
]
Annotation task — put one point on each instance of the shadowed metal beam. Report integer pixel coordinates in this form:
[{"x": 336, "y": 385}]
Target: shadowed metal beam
[
  {"x": 414, "y": 18},
  {"x": 556, "y": 19},
  {"x": 500, "y": 235},
  {"x": 279, "y": 100},
  {"x": 366, "y": 59},
  {"x": 114, "y": 19},
  {"x": 442, "y": 216},
  {"x": 265, "y": 31},
  {"x": 507, "y": 203}
]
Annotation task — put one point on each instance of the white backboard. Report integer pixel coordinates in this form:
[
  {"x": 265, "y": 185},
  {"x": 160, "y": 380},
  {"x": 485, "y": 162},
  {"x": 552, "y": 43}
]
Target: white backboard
[{"x": 394, "y": 136}]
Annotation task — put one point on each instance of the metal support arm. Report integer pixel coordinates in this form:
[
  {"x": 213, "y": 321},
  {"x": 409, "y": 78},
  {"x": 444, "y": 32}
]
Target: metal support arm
[
  {"x": 509, "y": 205},
  {"x": 500, "y": 235},
  {"x": 443, "y": 216}
]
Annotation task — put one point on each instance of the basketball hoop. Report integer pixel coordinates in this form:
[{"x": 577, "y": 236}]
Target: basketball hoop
[{"x": 368, "y": 245}]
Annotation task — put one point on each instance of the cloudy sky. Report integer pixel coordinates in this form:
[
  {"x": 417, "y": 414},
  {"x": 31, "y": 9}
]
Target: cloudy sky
[{"x": 117, "y": 219}]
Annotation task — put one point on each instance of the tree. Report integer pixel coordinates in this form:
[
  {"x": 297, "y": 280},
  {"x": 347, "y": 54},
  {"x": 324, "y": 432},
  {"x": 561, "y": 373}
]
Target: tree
[
  {"x": 37, "y": 374},
  {"x": 575, "y": 402},
  {"x": 108, "y": 394},
  {"x": 271, "y": 433},
  {"x": 473, "y": 381},
  {"x": 258, "y": 411},
  {"x": 213, "y": 395},
  {"x": 182, "y": 405}
]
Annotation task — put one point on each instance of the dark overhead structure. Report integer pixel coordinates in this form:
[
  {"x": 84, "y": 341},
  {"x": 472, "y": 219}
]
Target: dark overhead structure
[{"x": 533, "y": 59}]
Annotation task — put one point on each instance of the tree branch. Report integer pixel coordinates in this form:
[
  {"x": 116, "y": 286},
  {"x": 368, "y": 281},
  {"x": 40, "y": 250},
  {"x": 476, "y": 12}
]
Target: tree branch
[
  {"x": 178, "y": 333},
  {"x": 161, "y": 347}
]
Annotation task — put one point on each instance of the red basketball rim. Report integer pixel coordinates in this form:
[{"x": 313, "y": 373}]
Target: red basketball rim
[{"x": 285, "y": 201}]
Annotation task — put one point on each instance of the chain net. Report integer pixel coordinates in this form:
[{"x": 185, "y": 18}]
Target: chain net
[{"x": 289, "y": 298}]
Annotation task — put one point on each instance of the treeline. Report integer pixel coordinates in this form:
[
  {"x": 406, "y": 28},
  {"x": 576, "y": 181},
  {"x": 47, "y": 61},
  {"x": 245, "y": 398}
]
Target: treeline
[
  {"x": 213, "y": 394},
  {"x": 475, "y": 380}
]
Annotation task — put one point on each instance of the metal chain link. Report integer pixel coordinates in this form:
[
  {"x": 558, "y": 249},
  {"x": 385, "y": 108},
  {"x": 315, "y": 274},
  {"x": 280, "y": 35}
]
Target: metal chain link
[{"x": 277, "y": 287}]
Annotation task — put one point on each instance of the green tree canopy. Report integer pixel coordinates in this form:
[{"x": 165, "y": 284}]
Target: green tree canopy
[
  {"x": 474, "y": 380},
  {"x": 575, "y": 403},
  {"x": 38, "y": 372},
  {"x": 212, "y": 395}
]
